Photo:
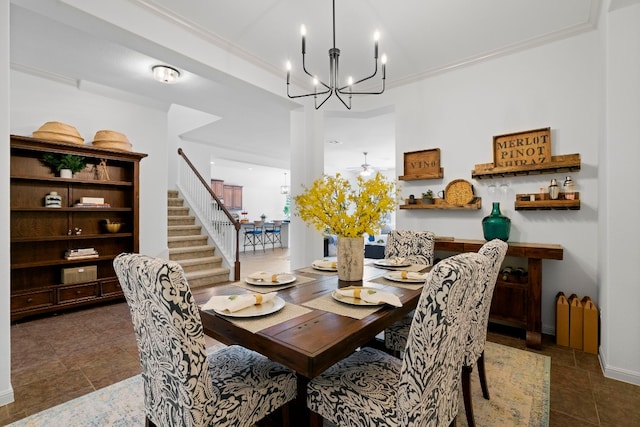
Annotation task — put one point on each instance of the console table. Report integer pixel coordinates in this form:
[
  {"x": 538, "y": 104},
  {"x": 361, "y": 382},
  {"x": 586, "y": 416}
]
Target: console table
[{"x": 515, "y": 304}]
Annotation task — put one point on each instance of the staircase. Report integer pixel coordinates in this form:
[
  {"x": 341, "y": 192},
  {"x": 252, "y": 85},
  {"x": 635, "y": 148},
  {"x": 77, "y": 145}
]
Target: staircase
[{"x": 190, "y": 249}]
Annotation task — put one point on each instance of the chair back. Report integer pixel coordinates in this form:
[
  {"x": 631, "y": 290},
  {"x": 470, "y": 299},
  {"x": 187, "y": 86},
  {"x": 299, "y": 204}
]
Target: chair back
[
  {"x": 432, "y": 363},
  {"x": 495, "y": 250},
  {"x": 415, "y": 246},
  {"x": 170, "y": 337},
  {"x": 258, "y": 223}
]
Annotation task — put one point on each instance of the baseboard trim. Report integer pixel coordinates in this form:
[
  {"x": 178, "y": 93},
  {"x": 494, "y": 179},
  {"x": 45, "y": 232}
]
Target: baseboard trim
[
  {"x": 6, "y": 396},
  {"x": 619, "y": 374}
]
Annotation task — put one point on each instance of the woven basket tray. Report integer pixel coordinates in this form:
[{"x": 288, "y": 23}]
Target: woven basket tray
[{"x": 458, "y": 192}]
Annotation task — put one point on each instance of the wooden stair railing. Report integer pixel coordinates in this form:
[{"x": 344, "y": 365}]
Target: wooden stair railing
[{"x": 220, "y": 205}]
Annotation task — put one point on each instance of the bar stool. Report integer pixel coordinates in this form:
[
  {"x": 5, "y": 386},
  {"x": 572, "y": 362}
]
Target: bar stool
[
  {"x": 254, "y": 235},
  {"x": 273, "y": 235}
]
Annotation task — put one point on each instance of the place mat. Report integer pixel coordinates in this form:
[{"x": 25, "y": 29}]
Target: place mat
[
  {"x": 387, "y": 282},
  {"x": 255, "y": 324},
  {"x": 312, "y": 270},
  {"x": 327, "y": 303},
  {"x": 265, "y": 289},
  {"x": 416, "y": 268}
]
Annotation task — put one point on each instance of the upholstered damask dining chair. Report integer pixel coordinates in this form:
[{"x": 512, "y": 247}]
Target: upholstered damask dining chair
[
  {"x": 396, "y": 335},
  {"x": 414, "y": 246},
  {"x": 495, "y": 251},
  {"x": 183, "y": 386},
  {"x": 417, "y": 247},
  {"x": 373, "y": 388}
]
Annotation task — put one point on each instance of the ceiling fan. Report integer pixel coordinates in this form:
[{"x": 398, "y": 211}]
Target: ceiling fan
[{"x": 367, "y": 169}]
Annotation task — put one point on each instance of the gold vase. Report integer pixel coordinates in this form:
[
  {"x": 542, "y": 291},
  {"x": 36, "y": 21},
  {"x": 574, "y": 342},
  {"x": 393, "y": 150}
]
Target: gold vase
[{"x": 350, "y": 253}]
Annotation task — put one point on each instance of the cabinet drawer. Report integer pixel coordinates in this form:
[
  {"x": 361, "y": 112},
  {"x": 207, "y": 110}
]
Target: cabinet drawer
[
  {"x": 32, "y": 300},
  {"x": 80, "y": 292},
  {"x": 111, "y": 288}
]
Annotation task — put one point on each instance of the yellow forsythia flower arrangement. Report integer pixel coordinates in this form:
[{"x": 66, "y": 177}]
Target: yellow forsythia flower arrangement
[{"x": 332, "y": 205}]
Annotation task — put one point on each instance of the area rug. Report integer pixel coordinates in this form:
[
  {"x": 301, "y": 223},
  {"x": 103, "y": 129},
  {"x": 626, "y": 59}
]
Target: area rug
[{"x": 518, "y": 384}]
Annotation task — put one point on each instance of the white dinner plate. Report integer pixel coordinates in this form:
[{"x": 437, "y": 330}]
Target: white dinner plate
[
  {"x": 391, "y": 263},
  {"x": 351, "y": 300},
  {"x": 396, "y": 276},
  {"x": 323, "y": 268},
  {"x": 282, "y": 279},
  {"x": 263, "y": 309}
]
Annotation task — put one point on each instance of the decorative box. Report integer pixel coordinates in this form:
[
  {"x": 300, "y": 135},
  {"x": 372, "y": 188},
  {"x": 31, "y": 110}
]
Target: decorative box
[{"x": 86, "y": 273}]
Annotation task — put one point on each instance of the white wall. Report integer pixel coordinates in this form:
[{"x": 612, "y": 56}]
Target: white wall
[
  {"x": 562, "y": 86},
  {"x": 620, "y": 230},
  {"x": 6, "y": 391},
  {"x": 35, "y": 101},
  {"x": 460, "y": 112},
  {"x": 548, "y": 86}
]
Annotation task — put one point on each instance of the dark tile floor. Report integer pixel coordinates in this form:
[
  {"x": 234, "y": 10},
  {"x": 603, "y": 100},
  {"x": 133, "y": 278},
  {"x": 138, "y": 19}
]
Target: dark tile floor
[{"x": 57, "y": 358}]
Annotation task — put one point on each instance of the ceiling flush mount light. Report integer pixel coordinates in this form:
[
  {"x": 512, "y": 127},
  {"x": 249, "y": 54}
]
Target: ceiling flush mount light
[
  {"x": 165, "y": 74},
  {"x": 284, "y": 189},
  {"x": 334, "y": 86}
]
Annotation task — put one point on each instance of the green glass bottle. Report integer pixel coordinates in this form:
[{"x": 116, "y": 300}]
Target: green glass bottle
[{"x": 496, "y": 225}]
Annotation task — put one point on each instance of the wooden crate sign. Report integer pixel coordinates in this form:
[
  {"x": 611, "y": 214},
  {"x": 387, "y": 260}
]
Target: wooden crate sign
[
  {"x": 424, "y": 163},
  {"x": 528, "y": 148}
]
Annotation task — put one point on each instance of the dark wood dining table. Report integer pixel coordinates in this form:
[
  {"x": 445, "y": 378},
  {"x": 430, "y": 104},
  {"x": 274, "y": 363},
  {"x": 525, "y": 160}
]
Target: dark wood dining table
[{"x": 314, "y": 341}]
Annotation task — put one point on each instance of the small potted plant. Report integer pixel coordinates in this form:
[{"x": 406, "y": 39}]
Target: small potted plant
[
  {"x": 66, "y": 164},
  {"x": 263, "y": 217},
  {"x": 427, "y": 197}
]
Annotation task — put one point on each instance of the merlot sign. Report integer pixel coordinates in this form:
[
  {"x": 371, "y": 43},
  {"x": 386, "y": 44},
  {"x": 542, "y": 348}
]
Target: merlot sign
[{"x": 530, "y": 148}]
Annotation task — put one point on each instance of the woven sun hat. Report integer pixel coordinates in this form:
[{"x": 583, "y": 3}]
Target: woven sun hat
[
  {"x": 111, "y": 139},
  {"x": 59, "y": 132}
]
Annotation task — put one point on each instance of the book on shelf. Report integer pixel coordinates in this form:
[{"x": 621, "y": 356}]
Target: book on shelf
[
  {"x": 92, "y": 200},
  {"x": 76, "y": 257},
  {"x": 92, "y": 205},
  {"x": 83, "y": 253}
]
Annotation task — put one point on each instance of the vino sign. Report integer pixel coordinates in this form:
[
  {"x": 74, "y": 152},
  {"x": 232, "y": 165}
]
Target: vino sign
[
  {"x": 423, "y": 164},
  {"x": 530, "y": 148}
]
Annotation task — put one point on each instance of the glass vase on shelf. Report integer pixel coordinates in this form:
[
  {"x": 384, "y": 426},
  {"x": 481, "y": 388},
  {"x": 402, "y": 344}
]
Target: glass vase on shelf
[{"x": 496, "y": 225}]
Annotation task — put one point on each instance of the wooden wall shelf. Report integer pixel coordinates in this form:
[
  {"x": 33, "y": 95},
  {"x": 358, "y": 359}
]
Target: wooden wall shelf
[
  {"x": 563, "y": 163},
  {"x": 476, "y": 203},
  {"x": 547, "y": 204},
  {"x": 438, "y": 175}
]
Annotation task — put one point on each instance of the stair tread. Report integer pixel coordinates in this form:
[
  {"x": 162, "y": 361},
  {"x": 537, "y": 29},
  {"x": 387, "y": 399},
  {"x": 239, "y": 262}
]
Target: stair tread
[
  {"x": 204, "y": 273},
  {"x": 186, "y": 238},
  {"x": 196, "y": 261},
  {"x": 190, "y": 249}
]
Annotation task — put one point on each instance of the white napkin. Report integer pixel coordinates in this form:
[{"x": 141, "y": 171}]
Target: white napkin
[
  {"x": 412, "y": 275},
  {"x": 232, "y": 303},
  {"x": 264, "y": 275},
  {"x": 324, "y": 263},
  {"x": 371, "y": 295}
]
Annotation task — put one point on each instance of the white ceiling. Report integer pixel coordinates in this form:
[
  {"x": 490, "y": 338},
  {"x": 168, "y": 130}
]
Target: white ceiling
[{"x": 420, "y": 37}]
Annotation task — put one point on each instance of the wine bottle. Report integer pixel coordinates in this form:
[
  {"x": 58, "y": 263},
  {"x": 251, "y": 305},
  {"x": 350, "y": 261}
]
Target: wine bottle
[
  {"x": 520, "y": 274},
  {"x": 506, "y": 272}
]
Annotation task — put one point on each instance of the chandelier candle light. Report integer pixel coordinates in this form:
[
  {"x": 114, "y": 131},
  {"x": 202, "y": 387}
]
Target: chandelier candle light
[{"x": 334, "y": 79}]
